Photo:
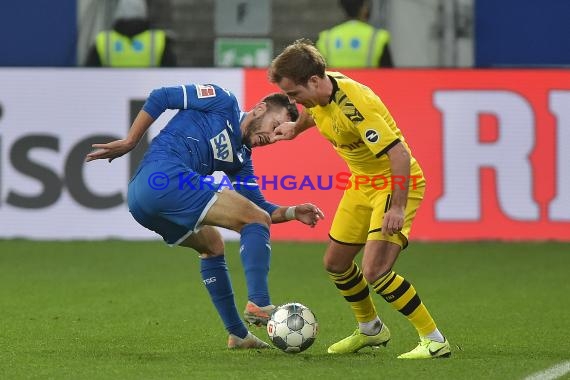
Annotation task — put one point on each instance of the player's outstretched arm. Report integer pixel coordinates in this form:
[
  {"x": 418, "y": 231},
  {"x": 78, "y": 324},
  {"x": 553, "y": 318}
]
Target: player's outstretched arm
[
  {"x": 306, "y": 213},
  {"x": 117, "y": 148}
]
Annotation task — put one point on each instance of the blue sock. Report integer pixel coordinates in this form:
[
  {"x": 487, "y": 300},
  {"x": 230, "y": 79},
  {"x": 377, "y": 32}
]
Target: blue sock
[
  {"x": 217, "y": 280},
  {"x": 255, "y": 253}
]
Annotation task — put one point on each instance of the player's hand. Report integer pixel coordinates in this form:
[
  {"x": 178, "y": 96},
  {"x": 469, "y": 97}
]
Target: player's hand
[
  {"x": 285, "y": 131},
  {"x": 110, "y": 151},
  {"x": 308, "y": 214},
  {"x": 393, "y": 221}
]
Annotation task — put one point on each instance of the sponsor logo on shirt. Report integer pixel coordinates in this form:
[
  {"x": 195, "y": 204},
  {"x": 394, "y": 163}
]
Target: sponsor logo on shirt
[
  {"x": 350, "y": 146},
  {"x": 222, "y": 147}
]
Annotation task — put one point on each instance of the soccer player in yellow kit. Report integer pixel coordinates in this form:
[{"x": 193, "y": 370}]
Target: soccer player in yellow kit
[{"x": 379, "y": 204}]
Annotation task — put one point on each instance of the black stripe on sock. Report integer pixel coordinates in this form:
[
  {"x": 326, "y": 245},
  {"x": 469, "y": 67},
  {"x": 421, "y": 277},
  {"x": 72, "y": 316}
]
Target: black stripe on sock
[
  {"x": 379, "y": 291},
  {"x": 349, "y": 275},
  {"x": 411, "y": 306},
  {"x": 399, "y": 292},
  {"x": 358, "y": 296},
  {"x": 350, "y": 284}
]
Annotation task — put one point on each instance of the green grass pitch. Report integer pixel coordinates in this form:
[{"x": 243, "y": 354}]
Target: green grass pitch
[{"x": 138, "y": 310}]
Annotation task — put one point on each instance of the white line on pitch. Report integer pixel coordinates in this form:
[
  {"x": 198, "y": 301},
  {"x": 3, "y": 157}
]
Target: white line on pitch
[{"x": 551, "y": 373}]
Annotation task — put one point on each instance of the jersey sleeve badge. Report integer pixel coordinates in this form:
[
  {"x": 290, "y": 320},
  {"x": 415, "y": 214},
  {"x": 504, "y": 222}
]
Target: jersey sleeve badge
[
  {"x": 372, "y": 136},
  {"x": 205, "y": 91}
]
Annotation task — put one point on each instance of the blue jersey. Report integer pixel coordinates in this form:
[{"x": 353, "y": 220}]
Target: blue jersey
[{"x": 204, "y": 135}]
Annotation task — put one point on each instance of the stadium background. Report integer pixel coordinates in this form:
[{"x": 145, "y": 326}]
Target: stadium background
[
  {"x": 481, "y": 92},
  {"x": 492, "y": 142}
]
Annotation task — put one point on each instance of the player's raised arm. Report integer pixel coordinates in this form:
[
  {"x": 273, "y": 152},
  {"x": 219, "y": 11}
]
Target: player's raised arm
[
  {"x": 191, "y": 96},
  {"x": 157, "y": 102},
  {"x": 117, "y": 148},
  {"x": 289, "y": 130}
]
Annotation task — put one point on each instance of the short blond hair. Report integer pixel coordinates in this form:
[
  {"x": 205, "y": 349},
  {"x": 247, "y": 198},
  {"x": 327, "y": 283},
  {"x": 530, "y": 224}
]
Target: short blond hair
[{"x": 298, "y": 62}]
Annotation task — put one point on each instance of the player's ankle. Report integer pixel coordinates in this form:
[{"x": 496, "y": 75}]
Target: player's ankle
[
  {"x": 436, "y": 336},
  {"x": 372, "y": 327}
]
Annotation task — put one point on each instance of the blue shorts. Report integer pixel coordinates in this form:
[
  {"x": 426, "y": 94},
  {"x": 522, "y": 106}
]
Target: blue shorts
[{"x": 169, "y": 199}]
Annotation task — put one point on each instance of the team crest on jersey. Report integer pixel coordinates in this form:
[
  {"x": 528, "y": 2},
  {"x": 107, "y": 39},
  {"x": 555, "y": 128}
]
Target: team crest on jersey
[
  {"x": 222, "y": 147},
  {"x": 205, "y": 91},
  {"x": 372, "y": 136}
]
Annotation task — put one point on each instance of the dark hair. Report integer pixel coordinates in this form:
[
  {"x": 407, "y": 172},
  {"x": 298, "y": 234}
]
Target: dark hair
[
  {"x": 352, "y": 7},
  {"x": 278, "y": 100},
  {"x": 298, "y": 62}
]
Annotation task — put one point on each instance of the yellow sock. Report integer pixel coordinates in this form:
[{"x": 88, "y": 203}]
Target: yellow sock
[
  {"x": 403, "y": 297},
  {"x": 354, "y": 289}
]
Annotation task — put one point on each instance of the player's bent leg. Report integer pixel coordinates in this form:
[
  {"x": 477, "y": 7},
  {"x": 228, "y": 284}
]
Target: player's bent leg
[
  {"x": 255, "y": 254},
  {"x": 348, "y": 278},
  {"x": 379, "y": 257},
  {"x": 215, "y": 276},
  {"x": 232, "y": 210}
]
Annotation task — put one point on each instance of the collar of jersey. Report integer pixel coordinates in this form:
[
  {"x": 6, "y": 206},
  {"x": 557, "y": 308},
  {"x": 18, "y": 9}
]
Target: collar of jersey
[{"x": 334, "y": 89}]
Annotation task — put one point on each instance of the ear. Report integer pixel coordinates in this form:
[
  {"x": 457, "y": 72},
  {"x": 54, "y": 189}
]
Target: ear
[
  {"x": 314, "y": 80},
  {"x": 259, "y": 109}
]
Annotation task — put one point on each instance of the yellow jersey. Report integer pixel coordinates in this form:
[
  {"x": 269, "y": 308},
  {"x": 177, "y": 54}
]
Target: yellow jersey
[{"x": 360, "y": 128}]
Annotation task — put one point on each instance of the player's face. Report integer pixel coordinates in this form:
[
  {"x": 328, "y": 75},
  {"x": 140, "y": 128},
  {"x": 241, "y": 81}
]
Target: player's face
[
  {"x": 306, "y": 95},
  {"x": 260, "y": 131}
]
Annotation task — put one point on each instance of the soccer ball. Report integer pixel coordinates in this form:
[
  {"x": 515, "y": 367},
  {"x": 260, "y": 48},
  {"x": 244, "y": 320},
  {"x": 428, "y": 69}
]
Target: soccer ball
[{"x": 292, "y": 327}]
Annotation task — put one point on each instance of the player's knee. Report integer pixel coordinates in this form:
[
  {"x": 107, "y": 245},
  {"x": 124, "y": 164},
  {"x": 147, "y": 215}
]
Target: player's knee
[
  {"x": 216, "y": 247},
  {"x": 208, "y": 242},
  {"x": 258, "y": 216},
  {"x": 210, "y": 249},
  {"x": 333, "y": 266},
  {"x": 371, "y": 274},
  {"x": 266, "y": 218}
]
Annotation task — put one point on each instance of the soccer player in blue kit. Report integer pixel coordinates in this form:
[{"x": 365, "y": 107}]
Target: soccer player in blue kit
[{"x": 169, "y": 193}]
